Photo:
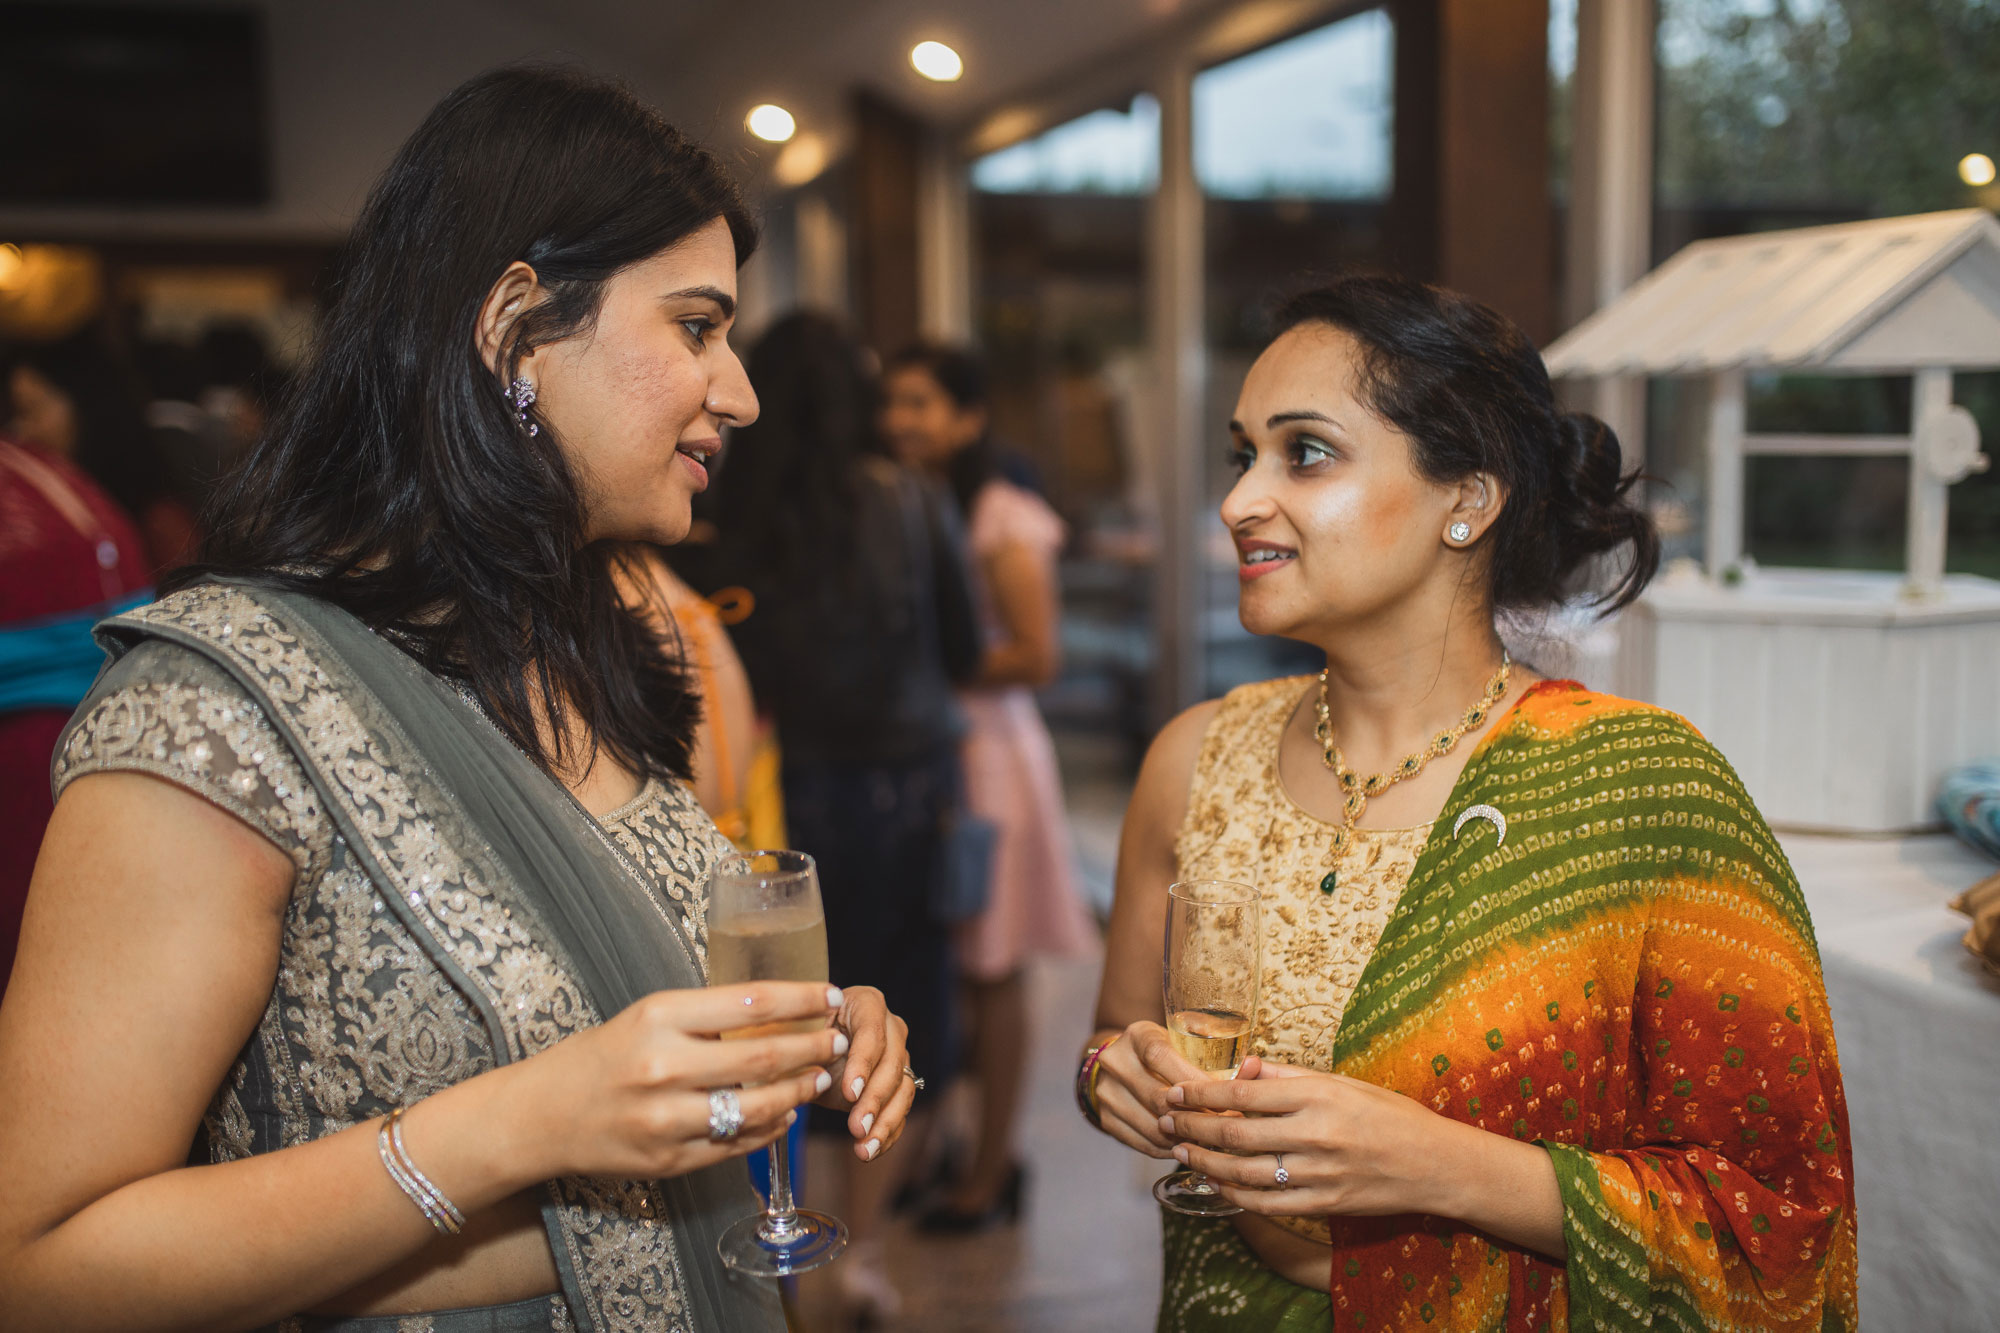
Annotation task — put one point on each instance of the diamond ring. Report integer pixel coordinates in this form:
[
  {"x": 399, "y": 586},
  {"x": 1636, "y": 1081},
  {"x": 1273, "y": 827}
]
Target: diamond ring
[
  {"x": 1284, "y": 1176},
  {"x": 913, "y": 1078},
  {"x": 725, "y": 1114}
]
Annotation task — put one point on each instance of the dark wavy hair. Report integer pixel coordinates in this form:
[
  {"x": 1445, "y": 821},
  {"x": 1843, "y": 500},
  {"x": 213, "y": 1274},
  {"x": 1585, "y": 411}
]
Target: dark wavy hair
[
  {"x": 961, "y": 373},
  {"x": 1472, "y": 394},
  {"x": 395, "y": 482},
  {"x": 786, "y": 494}
]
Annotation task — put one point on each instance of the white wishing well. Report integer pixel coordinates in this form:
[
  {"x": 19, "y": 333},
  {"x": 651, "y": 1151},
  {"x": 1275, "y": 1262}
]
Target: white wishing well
[{"x": 1841, "y": 697}]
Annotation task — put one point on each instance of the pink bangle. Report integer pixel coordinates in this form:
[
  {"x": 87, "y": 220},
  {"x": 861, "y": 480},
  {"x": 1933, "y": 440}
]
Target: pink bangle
[{"x": 1086, "y": 1080}]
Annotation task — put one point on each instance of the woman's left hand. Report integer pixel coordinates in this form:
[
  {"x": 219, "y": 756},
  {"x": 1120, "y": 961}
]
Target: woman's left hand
[
  {"x": 870, "y": 1083},
  {"x": 1349, "y": 1147}
]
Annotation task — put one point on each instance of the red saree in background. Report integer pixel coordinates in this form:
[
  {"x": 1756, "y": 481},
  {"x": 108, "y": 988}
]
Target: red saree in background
[{"x": 64, "y": 547}]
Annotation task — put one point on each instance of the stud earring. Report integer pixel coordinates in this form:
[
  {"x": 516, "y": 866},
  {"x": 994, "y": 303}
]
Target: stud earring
[
  {"x": 1459, "y": 533},
  {"x": 520, "y": 396}
]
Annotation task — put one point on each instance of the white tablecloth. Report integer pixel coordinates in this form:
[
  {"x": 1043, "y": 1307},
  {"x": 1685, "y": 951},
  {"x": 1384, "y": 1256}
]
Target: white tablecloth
[{"x": 1918, "y": 1025}]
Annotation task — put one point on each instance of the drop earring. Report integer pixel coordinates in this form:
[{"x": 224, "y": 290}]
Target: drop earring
[
  {"x": 520, "y": 396},
  {"x": 1459, "y": 533}
]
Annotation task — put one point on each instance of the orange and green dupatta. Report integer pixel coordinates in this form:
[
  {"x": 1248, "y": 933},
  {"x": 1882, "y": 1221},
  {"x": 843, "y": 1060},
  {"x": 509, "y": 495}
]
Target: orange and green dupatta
[{"x": 1629, "y": 979}]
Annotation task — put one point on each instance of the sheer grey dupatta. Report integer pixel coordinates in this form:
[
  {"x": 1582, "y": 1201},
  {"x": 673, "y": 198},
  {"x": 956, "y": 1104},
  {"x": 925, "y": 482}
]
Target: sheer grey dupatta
[{"x": 513, "y": 891}]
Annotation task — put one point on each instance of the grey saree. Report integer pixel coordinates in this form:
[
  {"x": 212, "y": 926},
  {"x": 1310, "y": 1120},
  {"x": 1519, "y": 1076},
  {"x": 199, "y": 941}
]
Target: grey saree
[{"x": 455, "y": 909}]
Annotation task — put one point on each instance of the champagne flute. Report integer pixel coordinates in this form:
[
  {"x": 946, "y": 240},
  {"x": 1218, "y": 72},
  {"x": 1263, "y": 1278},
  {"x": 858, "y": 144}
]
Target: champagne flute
[
  {"x": 766, "y": 923},
  {"x": 1214, "y": 946}
]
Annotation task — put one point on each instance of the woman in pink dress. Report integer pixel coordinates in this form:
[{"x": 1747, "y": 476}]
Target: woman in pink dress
[{"x": 935, "y": 416}]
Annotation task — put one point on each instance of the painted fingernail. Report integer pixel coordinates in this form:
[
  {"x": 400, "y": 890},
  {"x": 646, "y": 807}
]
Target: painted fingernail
[
  {"x": 870, "y": 1148},
  {"x": 840, "y": 1043},
  {"x": 834, "y": 999},
  {"x": 791, "y": 1118},
  {"x": 1166, "y": 1124},
  {"x": 1175, "y": 1094},
  {"x": 1181, "y": 1153},
  {"x": 823, "y": 1082},
  {"x": 854, "y": 1088},
  {"x": 867, "y": 1122}
]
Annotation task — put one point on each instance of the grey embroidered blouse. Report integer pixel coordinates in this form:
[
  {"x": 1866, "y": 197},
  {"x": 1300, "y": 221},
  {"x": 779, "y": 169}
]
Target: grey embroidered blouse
[{"x": 360, "y": 1019}]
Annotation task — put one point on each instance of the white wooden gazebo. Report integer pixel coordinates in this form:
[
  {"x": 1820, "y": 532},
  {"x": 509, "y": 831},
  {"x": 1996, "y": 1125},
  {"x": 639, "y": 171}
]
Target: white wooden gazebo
[{"x": 1842, "y": 697}]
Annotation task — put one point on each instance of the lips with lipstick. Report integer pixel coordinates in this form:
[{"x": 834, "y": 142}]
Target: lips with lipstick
[
  {"x": 697, "y": 455},
  {"x": 1255, "y": 559}
]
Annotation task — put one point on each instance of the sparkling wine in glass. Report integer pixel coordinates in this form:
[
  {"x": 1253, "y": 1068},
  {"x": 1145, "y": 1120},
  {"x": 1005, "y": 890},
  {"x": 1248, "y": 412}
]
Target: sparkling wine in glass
[
  {"x": 766, "y": 923},
  {"x": 1214, "y": 946}
]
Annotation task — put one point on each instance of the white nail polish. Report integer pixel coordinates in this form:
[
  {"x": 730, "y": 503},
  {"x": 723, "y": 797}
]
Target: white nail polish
[
  {"x": 840, "y": 1043},
  {"x": 834, "y": 999},
  {"x": 854, "y": 1088},
  {"x": 823, "y": 1082},
  {"x": 872, "y": 1147},
  {"x": 791, "y": 1118},
  {"x": 867, "y": 1122}
]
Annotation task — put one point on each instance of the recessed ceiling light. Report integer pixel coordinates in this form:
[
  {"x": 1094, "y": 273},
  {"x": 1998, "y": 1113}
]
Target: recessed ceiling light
[
  {"x": 936, "y": 61},
  {"x": 1976, "y": 169},
  {"x": 772, "y": 124}
]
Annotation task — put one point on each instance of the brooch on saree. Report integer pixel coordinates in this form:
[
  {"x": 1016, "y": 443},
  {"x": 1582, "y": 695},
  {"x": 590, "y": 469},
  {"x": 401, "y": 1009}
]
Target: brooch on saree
[{"x": 1486, "y": 812}]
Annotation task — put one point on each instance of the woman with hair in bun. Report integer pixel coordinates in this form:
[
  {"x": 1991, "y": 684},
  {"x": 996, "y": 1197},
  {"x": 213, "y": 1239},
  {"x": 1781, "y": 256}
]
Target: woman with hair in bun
[{"x": 1541, "y": 1039}]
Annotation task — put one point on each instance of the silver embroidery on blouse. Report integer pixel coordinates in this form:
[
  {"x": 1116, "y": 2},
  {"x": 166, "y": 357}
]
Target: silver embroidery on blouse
[{"x": 361, "y": 1018}]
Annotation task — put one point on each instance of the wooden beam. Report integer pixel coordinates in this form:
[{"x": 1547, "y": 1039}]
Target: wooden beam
[
  {"x": 1471, "y": 205},
  {"x": 889, "y": 148}
]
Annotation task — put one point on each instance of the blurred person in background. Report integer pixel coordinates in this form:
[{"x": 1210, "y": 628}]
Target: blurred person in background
[
  {"x": 936, "y": 418},
  {"x": 68, "y": 557},
  {"x": 862, "y": 621},
  {"x": 735, "y": 757},
  {"x": 374, "y": 876},
  {"x": 72, "y": 399}
]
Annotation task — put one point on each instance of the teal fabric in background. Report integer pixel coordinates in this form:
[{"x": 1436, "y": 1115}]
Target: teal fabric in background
[{"x": 52, "y": 662}]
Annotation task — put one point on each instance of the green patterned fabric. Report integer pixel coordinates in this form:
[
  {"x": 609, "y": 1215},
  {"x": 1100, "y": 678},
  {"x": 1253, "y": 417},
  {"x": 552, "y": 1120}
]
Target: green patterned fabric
[{"x": 1214, "y": 1284}]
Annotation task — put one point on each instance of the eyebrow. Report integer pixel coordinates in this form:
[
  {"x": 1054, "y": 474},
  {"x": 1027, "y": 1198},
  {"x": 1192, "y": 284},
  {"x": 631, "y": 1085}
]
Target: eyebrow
[
  {"x": 1278, "y": 419},
  {"x": 715, "y": 294}
]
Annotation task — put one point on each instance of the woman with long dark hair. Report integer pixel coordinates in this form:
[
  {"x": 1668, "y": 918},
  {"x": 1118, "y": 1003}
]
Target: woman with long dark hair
[
  {"x": 1540, "y": 1039},
  {"x": 374, "y": 874},
  {"x": 854, "y": 565}
]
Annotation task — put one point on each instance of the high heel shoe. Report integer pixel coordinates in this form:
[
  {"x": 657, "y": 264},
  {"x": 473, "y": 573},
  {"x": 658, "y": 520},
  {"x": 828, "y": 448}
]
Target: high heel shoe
[{"x": 945, "y": 1220}]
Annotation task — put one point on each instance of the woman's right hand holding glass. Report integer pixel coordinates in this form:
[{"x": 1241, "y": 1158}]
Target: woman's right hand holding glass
[
  {"x": 1133, "y": 1075},
  {"x": 630, "y": 1098}
]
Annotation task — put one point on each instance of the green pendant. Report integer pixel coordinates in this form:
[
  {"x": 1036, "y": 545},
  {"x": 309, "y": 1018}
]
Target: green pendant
[{"x": 1327, "y": 885}]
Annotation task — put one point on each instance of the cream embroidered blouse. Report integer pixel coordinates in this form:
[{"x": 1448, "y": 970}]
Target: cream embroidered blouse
[
  {"x": 1321, "y": 917},
  {"x": 360, "y": 1021}
]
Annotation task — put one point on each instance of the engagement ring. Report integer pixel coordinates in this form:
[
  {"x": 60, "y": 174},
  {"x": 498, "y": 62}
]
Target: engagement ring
[
  {"x": 725, "y": 1114},
  {"x": 913, "y": 1078},
  {"x": 1284, "y": 1176}
]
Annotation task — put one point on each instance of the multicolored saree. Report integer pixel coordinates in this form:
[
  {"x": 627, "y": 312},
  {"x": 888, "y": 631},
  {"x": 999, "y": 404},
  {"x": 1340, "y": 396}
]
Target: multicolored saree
[{"x": 1600, "y": 949}]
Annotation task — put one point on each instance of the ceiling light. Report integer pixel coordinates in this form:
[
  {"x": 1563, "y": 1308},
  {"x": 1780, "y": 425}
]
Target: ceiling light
[
  {"x": 936, "y": 61},
  {"x": 772, "y": 124},
  {"x": 1976, "y": 169}
]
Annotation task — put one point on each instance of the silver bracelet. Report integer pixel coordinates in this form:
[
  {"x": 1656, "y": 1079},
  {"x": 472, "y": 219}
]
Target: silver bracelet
[{"x": 439, "y": 1211}]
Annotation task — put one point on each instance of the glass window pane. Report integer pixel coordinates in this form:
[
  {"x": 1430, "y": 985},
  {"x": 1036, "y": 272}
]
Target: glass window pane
[
  {"x": 1059, "y": 302},
  {"x": 1308, "y": 118},
  {"x": 1105, "y": 152}
]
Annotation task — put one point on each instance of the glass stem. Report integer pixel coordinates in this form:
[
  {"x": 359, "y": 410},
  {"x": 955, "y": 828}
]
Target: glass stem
[{"x": 780, "y": 1213}]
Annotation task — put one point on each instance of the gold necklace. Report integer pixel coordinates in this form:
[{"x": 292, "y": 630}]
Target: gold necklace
[{"x": 1356, "y": 789}]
